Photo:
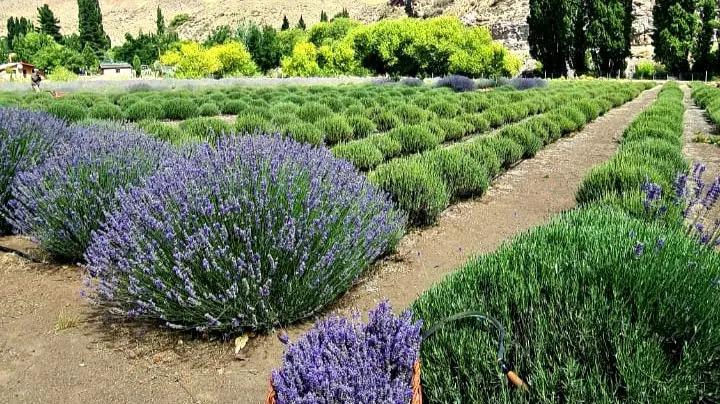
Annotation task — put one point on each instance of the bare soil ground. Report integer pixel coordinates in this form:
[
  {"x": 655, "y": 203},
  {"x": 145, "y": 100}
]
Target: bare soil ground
[
  {"x": 697, "y": 123},
  {"x": 53, "y": 349}
]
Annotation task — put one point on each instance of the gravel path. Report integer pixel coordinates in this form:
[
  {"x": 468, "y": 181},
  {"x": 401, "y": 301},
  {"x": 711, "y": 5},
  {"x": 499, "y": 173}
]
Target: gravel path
[
  {"x": 93, "y": 362},
  {"x": 695, "y": 123}
]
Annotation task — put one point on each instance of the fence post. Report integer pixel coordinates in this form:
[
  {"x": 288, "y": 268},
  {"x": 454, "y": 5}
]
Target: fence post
[{"x": 706, "y": 76}]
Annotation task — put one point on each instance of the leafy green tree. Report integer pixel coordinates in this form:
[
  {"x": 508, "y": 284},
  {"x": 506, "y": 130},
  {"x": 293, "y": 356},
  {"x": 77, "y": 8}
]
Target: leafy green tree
[
  {"x": 145, "y": 46},
  {"x": 674, "y": 36},
  {"x": 343, "y": 14},
  {"x": 137, "y": 65},
  {"x": 289, "y": 38},
  {"x": 609, "y": 33},
  {"x": 26, "y": 46},
  {"x": 49, "y": 25},
  {"x": 90, "y": 60},
  {"x": 302, "y": 62},
  {"x": 72, "y": 41},
  {"x": 285, "y": 24},
  {"x": 90, "y": 25},
  {"x": 702, "y": 52},
  {"x": 17, "y": 27},
  {"x": 323, "y": 16},
  {"x": 325, "y": 32},
  {"x": 301, "y": 23},
  {"x": 219, "y": 35},
  {"x": 553, "y": 27},
  {"x": 159, "y": 23},
  {"x": 263, "y": 44}
]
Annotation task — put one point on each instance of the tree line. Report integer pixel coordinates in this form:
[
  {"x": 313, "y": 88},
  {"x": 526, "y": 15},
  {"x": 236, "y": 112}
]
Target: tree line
[{"x": 594, "y": 36}]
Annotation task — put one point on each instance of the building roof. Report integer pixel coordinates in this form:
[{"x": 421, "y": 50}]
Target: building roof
[
  {"x": 13, "y": 64},
  {"x": 115, "y": 66}
]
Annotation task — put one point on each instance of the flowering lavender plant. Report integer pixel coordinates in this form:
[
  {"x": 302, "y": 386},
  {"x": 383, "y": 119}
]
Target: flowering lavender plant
[
  {"x": 344, "y": 361},
  {"x": 26, "y": 138},
  {"x": 699, "y": 201},
  {"x": 251, "y": 233},
  {"x": 457, "y": 83},
  {"x": 61, "y": 201}
]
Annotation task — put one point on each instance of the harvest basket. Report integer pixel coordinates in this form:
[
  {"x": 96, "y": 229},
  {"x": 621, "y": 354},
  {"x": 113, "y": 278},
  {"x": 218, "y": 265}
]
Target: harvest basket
[{"x": 416, "y": 388}]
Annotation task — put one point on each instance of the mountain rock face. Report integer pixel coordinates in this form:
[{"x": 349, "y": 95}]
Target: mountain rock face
[{"x": 507, "y": 19}]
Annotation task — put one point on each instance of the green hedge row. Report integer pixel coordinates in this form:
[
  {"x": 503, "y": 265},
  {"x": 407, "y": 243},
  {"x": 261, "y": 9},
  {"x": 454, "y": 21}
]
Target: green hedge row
[
  {"x": 416, "y": 137},
  {"x": 651, "y": 150},
  {"x": 708, "y": 98},
  {"x": 598, "y": 307},
  {"x": 425, "y": 184}
]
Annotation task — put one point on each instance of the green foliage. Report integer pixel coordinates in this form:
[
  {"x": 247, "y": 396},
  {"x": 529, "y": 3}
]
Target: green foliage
[
  {"x": 463, "y": 175},
  {"x": 702, "y": 48},
  {"x": 645, "y": 69},
  {"x": 414, "y": 138},
  {"x": 335, "y": 128},
  {"x": 387, "y": 145},
  {"x": 302, "y": 62},
  {"x": 233, "y": 107},
  {"x": 313, "y": 112},
  {"x": 435, "y": 46},
  {"x": 362, "y": 154},
  {"x": 61, "y": 74},
  {"x": 609, "y": 34},
  {"x": 386, "y": 120},
  {"x": 167, "y": 132},
  {"x": 70, "y": 111},
  {"x": 208, "y": 109},
  {"x": 263, "y": 45},
  {"x": 105, "y": 110},
  {"x": 651, "y": 151},
  {"x": 585, "y": 314},
  {"x": 304, "y": 132},
  {"x": 251, "y": 123},
  {"x": 91, "y": 26},
  {"x": 206, "y": 129},
  {"x": 361, "y": 126},
  {"x": 674, "y": 35},
  {"x": 142, "y": 110},
  {"x": 415, "y": 187},
  {"x": 179, "y": 108},
  {"x": 49, "y": 25},
  {"x": 285, "y": 24},
  {"x": 191, "y": 60},
  {"x": 301, "y": 24},
  {"x": 552, "y": 34}
]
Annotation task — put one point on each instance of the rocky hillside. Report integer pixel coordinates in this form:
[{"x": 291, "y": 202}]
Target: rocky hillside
[{"x": 506, "y": 18}]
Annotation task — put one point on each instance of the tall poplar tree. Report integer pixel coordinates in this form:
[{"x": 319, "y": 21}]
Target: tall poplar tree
[
  {"x": 674, "y": 35},
  {"x": 160, "y": 22},
  {"x": 49, "y": 25},
  {"x": 90, "y": 25},
  {"x": 708, "y": 12},
  {"x": 609, "y": 33},
  {"x": 552, "y": 33}
]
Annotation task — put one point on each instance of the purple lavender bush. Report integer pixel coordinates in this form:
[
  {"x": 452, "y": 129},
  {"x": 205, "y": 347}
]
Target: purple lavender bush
[
  {"x": 345, "y": 361},
  {"x": 698, "y": 201},
  {"x": 62, "y": 201},
  {"x": 26, "y": 138},
  {"x": 457, "y": 83},
  {"x": 253, "y": 232}
]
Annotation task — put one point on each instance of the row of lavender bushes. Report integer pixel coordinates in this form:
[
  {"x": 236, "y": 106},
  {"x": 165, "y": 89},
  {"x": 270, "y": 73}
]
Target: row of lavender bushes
[{"x": 250, "y": 233}]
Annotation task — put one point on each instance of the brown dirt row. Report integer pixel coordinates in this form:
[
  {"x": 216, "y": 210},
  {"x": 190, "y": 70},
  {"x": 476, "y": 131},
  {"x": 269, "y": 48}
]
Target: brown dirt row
[{"x": 52, "y": 349}]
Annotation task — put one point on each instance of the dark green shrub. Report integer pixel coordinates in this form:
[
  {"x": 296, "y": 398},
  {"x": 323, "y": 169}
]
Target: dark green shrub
[
  {"x": 313, "y": 112},
  {"x": 597, "y": 305},
  {"x": 415, "y": 187},
  {"x": 335, "y": 128},
  {"x": 179, "y": 108},
  {"x": 414, "y": 138},
  {"x": 522, "y": 134},
  {"x": 463, "y": 176},
  {"x": 233, "y": 107},
  {"x": 251, "y": 123},
  {"x": 164, "y": 131},
  {"x": 207, "y": 129},
  {"x": 361, "y": 126},
  {"x": 303, "y": 132},
  {"x": 484, "y": 154},
  {"x": 209, "y": 109},
  {"x": 410, "y": 114},
  {"x": 68, "y": 110},
  {"x": 142, "y": 110},
  {"x": 386, "y": 120},
  {"x": 506, "y": 149},
  {"x": 388, "y": 146},
  {"x": 105, "y": 110},
  {"x": 361, "y": 153}
]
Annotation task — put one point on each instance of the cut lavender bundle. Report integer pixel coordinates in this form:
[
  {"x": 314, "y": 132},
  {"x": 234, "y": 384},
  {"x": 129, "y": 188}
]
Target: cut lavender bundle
[
  {"x": 345, "y": 361},
  {"x": 254, "y": 232},
  {"x": 63, "y": 200},
  {"x": 26, "y": 138}
]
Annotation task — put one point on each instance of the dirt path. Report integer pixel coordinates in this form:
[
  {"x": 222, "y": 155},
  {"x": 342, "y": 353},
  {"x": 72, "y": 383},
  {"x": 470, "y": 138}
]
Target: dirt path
[
  {"x": 90, "y": 362},
  {"x": 696, "y": 123}
]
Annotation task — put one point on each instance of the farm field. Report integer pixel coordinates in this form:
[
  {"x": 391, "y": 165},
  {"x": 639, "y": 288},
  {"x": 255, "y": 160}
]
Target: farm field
[{"x": 159, "y": 229}]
